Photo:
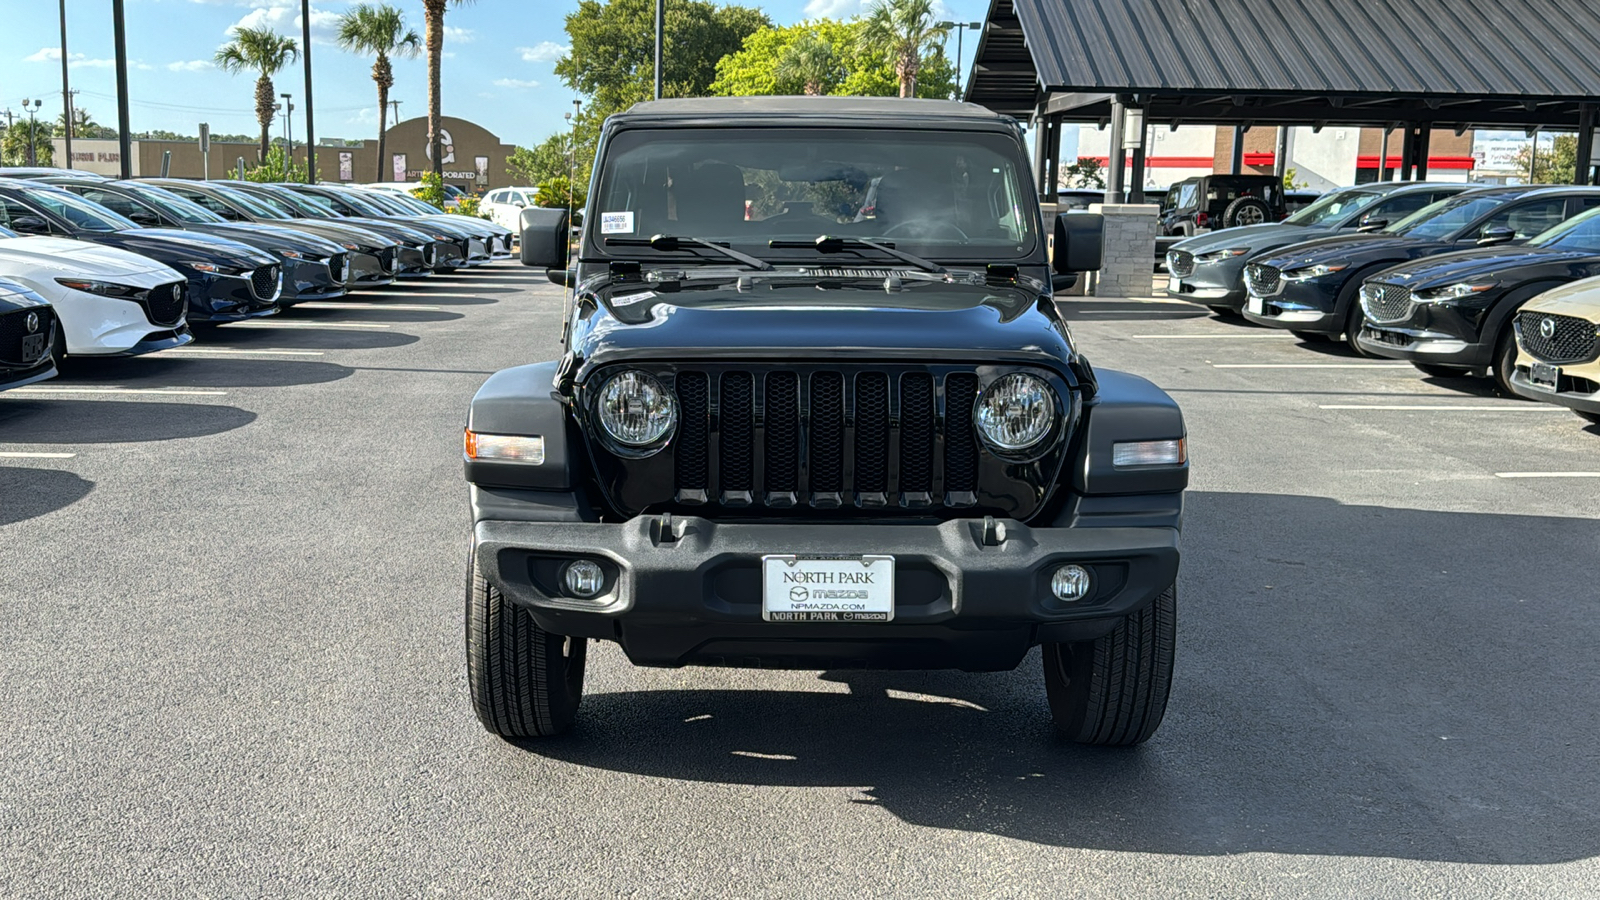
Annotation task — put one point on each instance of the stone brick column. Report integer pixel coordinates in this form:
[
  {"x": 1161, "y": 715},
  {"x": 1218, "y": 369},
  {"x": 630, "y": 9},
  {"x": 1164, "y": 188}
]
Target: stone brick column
[{"x": 1128, "y": 269}]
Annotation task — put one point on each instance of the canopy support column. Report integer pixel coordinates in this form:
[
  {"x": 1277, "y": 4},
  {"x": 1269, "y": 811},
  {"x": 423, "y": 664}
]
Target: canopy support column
[
  {"x": 1584, "y": 173},
  {"x": 1237, "y": 167},
  {"x": 1116, "y": 179},
  {"x": 1424, "y": 142}
]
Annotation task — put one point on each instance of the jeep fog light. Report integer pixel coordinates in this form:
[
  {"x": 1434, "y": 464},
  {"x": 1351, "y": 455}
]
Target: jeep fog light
[
  {"x": 505, "y": 448},
  {"x": 1150, "y": 453},
  {"x": 584, "y": 578},
  {"x": 1070, "y": 583}
]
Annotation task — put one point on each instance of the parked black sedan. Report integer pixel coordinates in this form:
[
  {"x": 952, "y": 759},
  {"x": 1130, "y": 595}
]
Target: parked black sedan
[
  {"x": 1209, "y": 268},
  {"x": 314, "y": 268},
  {"x": 27, "y": 330},
  {"x": 228, "y": 281},
  {"x": 456, "y": 245},
  {"x": 496, "y": 238},
  {"x": 418, "y": 253},
  {"x": 1452, "y": 314},
  {"x": 1311, "y": 288},
  {"x": 372, "y": 255}
]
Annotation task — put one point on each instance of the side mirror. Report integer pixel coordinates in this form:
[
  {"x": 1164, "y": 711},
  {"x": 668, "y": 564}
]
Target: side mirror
[
  {"x": 563, "y": 277},
  {"x": 1496, "y": 235},
  {"x": 1080, "y": 243},
  {"x": 545, "y": 237},
  {"x": 147, "y": 219},
  {"x": 519, "y": 204},
  {"x": 1372, "y": 223},
  {"x": 30, "y": 225},
  {"x": 1060, "y": 283}
]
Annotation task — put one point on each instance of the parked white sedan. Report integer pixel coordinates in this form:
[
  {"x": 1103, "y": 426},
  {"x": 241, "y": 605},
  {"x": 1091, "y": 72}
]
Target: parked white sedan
[
  {"x": 504, "y": 206},
  {"x": 109, "y": 302}
]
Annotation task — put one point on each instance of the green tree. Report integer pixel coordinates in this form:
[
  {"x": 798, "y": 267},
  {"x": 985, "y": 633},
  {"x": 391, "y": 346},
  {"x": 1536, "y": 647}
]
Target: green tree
[
  {"x": 83, "y": 126},
  {"x": 554, "y": 193},
  {"x": 431, "y": 191},
  {"x": 433, "y": 17},
  {"x": 613, "y": 49},
  {"x": 1555, "y": 165},
  {"x": 14, "y": 145},
  {"x": 258, "y": 50},
  {"x": 864, "y": 70},
  {"x": 907, "y": 30},
  {"x": 381, "y": 31},
  {"x": 811, "y": 63},
  {"x": 277, "y": 166},
  {"x": 1085, "y": 173}
]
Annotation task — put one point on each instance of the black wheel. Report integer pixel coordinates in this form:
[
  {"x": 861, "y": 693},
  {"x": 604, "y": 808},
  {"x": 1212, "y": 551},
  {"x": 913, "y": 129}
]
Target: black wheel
[
  {"x": 1112, "y": 692},
  {"x": 1311, "y": 337},
  {"x": 1245, "y": 211},
  {"x": 1353, "y": 321},
  {"x": 525, "y": 681},
  {"x": 1505, "y": 360},
  {"x": 1593, "y": 418},
  {"x": 1438, "y": 371}
]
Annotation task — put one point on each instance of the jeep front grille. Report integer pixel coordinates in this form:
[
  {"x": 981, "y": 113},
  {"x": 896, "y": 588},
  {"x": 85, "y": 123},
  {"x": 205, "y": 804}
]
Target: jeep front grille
[
  {"x": 1569, "y": 339},
  {"x": 1263, "y": 280},
  {"x": 1180, "y": 263},
  {"x": 1386, "y": 302}
]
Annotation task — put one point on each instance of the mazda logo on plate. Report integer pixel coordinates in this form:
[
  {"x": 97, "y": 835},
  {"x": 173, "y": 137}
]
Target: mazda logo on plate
[
  {"x": 1547, "y": 329},
  {"x": 798, "y": 593},
  {"x": 31, "y": 322}
]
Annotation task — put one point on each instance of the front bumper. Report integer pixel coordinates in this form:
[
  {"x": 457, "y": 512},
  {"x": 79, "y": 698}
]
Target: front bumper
[
  {"x": 1578, "y": 386},
  {"x": 18, "y": 377},
  {"x": 1423, "y": 346},
  {"x": 309, "y": 279},
  {"x": 1211, "y": 284},
  {"x": 416, "y": 262},
  {"x": 227, "y": 298},
  {"x": 1310, "y": 305},
  {"x": 689, "y": 590}
]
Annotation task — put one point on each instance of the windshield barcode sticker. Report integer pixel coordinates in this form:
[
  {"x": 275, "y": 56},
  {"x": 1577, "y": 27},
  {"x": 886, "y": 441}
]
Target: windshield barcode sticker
[{"x": 616, "y": 222}]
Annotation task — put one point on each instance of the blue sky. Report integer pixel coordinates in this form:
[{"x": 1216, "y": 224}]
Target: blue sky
[{"x": 498, "y": 62}]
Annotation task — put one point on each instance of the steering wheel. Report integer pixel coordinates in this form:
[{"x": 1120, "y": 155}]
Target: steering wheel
[{"x": 928, "y": 226}]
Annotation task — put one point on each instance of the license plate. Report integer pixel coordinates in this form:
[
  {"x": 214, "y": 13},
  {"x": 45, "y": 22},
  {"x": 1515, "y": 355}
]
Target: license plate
[
  {"x": 1255, "y": 305},
  {"x": 1544, "y": 376},
  {"x": 827, "y": 589},
  {"x": 1175, "y": 284},
  {"x": 32, "y": 346}
]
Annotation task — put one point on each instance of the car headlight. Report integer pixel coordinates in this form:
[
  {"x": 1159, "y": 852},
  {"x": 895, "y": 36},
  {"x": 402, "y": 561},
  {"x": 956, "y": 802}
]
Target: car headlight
[
  {"x": 1220, "y": 255},
  {"x": 291, "y": 254},
  {"x": 103, "y": 288},
  {"x": 350, "y": 246},
  {"x": 1015, "y": 412},
  {"x": 1316, "y": 271},
  {"x": 636, "y": 410},
  {"x": 209, "y": 268},
  {"x": 1455, "y": 291}
]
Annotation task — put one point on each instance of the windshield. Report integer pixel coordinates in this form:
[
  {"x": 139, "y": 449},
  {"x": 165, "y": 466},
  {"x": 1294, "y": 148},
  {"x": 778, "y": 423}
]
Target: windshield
[
  {"x": 78, "y": 211},
  {"x": 361, "y": 204},
  {"x": 1581, "y": 232},
  {"x": 390, "y": 206},
  {"x": 291, "y": 203},
  {"x": 1333, "y": 209},
  {"x": 408, "y": 203},
  {"x": 931, "y": 193},
  {"x": 255, "y": 204},
  {"x": 177, "y": 207},
  {"x": 1438, "y": 221},
  {"x": 309, "y": 204}
]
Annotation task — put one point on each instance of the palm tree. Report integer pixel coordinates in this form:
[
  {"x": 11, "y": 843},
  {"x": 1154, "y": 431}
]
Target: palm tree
[
  {"x": 380, "y": 30},
  {"x": 811, "y": 62},
  {"x": 258, "y": 50},
  {"x": 905, "y": 29},
  {"x": 433, "y": 14}
]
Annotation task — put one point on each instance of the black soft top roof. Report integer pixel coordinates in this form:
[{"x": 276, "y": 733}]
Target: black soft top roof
[{"x": 879, "y": 110}]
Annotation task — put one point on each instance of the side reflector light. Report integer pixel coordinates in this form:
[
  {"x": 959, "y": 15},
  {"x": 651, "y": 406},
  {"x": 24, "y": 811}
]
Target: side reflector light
[
  {"x": 1150, "y": 453},
  {"x": 505, "y": 448}
]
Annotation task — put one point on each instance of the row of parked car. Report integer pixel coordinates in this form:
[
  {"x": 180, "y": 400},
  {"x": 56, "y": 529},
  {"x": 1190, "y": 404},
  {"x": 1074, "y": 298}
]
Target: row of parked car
[
  {"x": 1460, "y": 280},
  {"x": 95, "y": 267}
]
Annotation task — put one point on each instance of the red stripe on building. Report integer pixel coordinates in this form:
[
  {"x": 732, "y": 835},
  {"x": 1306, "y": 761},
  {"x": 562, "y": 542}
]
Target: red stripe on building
[
  {"x": 1166, "y": 162},
  {"x": 1434, "y": 162}
]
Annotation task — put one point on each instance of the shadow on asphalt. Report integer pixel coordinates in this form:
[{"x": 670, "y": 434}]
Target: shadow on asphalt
[
  {"x": 27, "y": 493},
  {"x": 290, "y": 338},
  {"x": 199, "y": 372},
  {"x": 1093, "y": 310},
  {"x": 1352, "y": 681},
  {"x": 374, "y": 314},
  {"x": 58, "y": 421}
]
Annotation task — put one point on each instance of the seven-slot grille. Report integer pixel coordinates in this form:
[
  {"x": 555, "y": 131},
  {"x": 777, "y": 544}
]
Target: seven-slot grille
[
  {"x": 1263, "y": 280},
  {"x": 14, "y": 329},
  {"x": 1570, "y": 339},
  {"x": 164, "y": 303},
  {"x": 826, "y": 438},
  {"x": 1180, "y": 263},
  {"x": 264, "y": 283},
  {"x": 1386, "y": 302}
]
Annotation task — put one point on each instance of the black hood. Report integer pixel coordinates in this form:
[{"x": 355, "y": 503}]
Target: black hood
[
  {"x": 169, "y": 246},
  {"x": 271, "y": 237},
  {"x": 1502, "y": 263}
]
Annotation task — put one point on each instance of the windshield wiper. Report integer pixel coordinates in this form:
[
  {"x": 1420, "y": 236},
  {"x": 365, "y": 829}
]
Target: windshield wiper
[
  {"x": 669, "y": 243},
  {"x": 831, "y": 244}
]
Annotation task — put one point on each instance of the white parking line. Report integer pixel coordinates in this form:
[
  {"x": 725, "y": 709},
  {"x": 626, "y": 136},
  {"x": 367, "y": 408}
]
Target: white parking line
[
  {"x": 1444, "y": 408},
  {"x": 1312, "y": 366},
  {"x": 223, "y": 351},
  {"x": 1210, "y": 337},
  {"x": 1128, "y": 312},
  {"x": 305, "y": 325},
  {"x": 11, "y": 455},
  {"x": 1547, "y": 474},
  {"x": 404, "y": 306},
  {"x": 164, "y": 391}
]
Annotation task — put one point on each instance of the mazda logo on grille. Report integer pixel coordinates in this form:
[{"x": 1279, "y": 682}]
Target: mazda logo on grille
[
  {"x": 31, "y": 322},
  {"x": 1547, "y": 329},
  {"x": 177, "y": 291}
]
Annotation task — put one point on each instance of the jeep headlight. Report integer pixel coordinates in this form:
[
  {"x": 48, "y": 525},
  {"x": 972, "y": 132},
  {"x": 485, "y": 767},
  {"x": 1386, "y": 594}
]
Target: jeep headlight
[
  {"x": 1454, "y": 291},
  {"x": 1316, "y": 271},
  {"x": 1015, "y": 412},
  {"x": 636, "y": 410}
]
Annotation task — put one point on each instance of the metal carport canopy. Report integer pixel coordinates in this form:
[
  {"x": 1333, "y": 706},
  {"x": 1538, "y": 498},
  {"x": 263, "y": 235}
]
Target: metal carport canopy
[{"x": 1444, "y": 63}]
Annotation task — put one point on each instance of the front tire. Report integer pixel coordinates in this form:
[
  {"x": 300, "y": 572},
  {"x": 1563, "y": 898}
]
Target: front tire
[
  {"x": 1353, "y": 321},
  {"x": 1112, "y": 691},
  {"x": 1504, "y": 362},
  {"x": 525, "y": 681},
  {"x": 1591, "y": 418}
]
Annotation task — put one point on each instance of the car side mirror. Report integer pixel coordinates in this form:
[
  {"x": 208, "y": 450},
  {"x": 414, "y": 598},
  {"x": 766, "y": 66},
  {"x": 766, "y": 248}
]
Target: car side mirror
[
  {"x": 1373, "y": 223},
  {"x": 1079, "y": 243},
  {"x": 519, "y": 204},
  {"x": 1061, "y": 283},
  {"x": 148, "y": 220},
  {"x": 30, "y": 225},
  {"x": 563, "y": 277},
  {"x": 545, "y": 237},
  {"x": 1500, "y": 234}
]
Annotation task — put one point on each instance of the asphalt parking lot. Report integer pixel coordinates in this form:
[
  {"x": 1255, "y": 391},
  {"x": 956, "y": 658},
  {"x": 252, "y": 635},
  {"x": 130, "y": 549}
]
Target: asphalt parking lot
[{"x": 231, "y": 603}]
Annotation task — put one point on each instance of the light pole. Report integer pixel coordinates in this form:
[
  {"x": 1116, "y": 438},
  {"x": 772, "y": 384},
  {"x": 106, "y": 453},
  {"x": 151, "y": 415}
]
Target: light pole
[
  {"x": 33, "y": 159},
  {"x": 305, "y": 53},
  {"x": 66, "y": 89},
  {"x": 288, "y": 134},
  {"x": 961, "y": 29},
  {"x": 661, "y": 19}
]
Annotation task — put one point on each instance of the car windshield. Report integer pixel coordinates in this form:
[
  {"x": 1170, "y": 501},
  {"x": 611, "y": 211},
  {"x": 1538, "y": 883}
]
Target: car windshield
[
  {"x": 345, "y": 204},
  {"x": 185, "y": 211},
  {"x": 1333, "y": 209},
  {"x": 410, "y": 203},
  {"x": 1440, "y": 220},
  {"x": 1581, "y": 232},
  {"x": 934, "y": 194},
  {"x": 78, "y": 211},
  {"x": 255, "y": 204},
  {"x": 309, "y": 204},
  {"x": 383, "y": 201}
]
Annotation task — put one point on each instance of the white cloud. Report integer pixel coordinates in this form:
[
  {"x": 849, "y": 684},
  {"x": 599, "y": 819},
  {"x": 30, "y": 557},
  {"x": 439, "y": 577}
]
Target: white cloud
[
  {"x": 452, "y": 33},
  {"x": 547, "y": 51},
  {"x": 79, "y": 61},
  {"x": 517, "y": 83},
  {"x": 284, "y": 17},
  {"x": 45, "y": 54},
  {"x": 834, "y": 9},
  {"x": 193, "y": 65}
]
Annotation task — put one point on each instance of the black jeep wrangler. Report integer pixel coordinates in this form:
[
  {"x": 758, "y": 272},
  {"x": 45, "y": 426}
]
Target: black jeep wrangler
[
  {"x": 1209, "y": 202},
  {"x": 817, "y": 409}
]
